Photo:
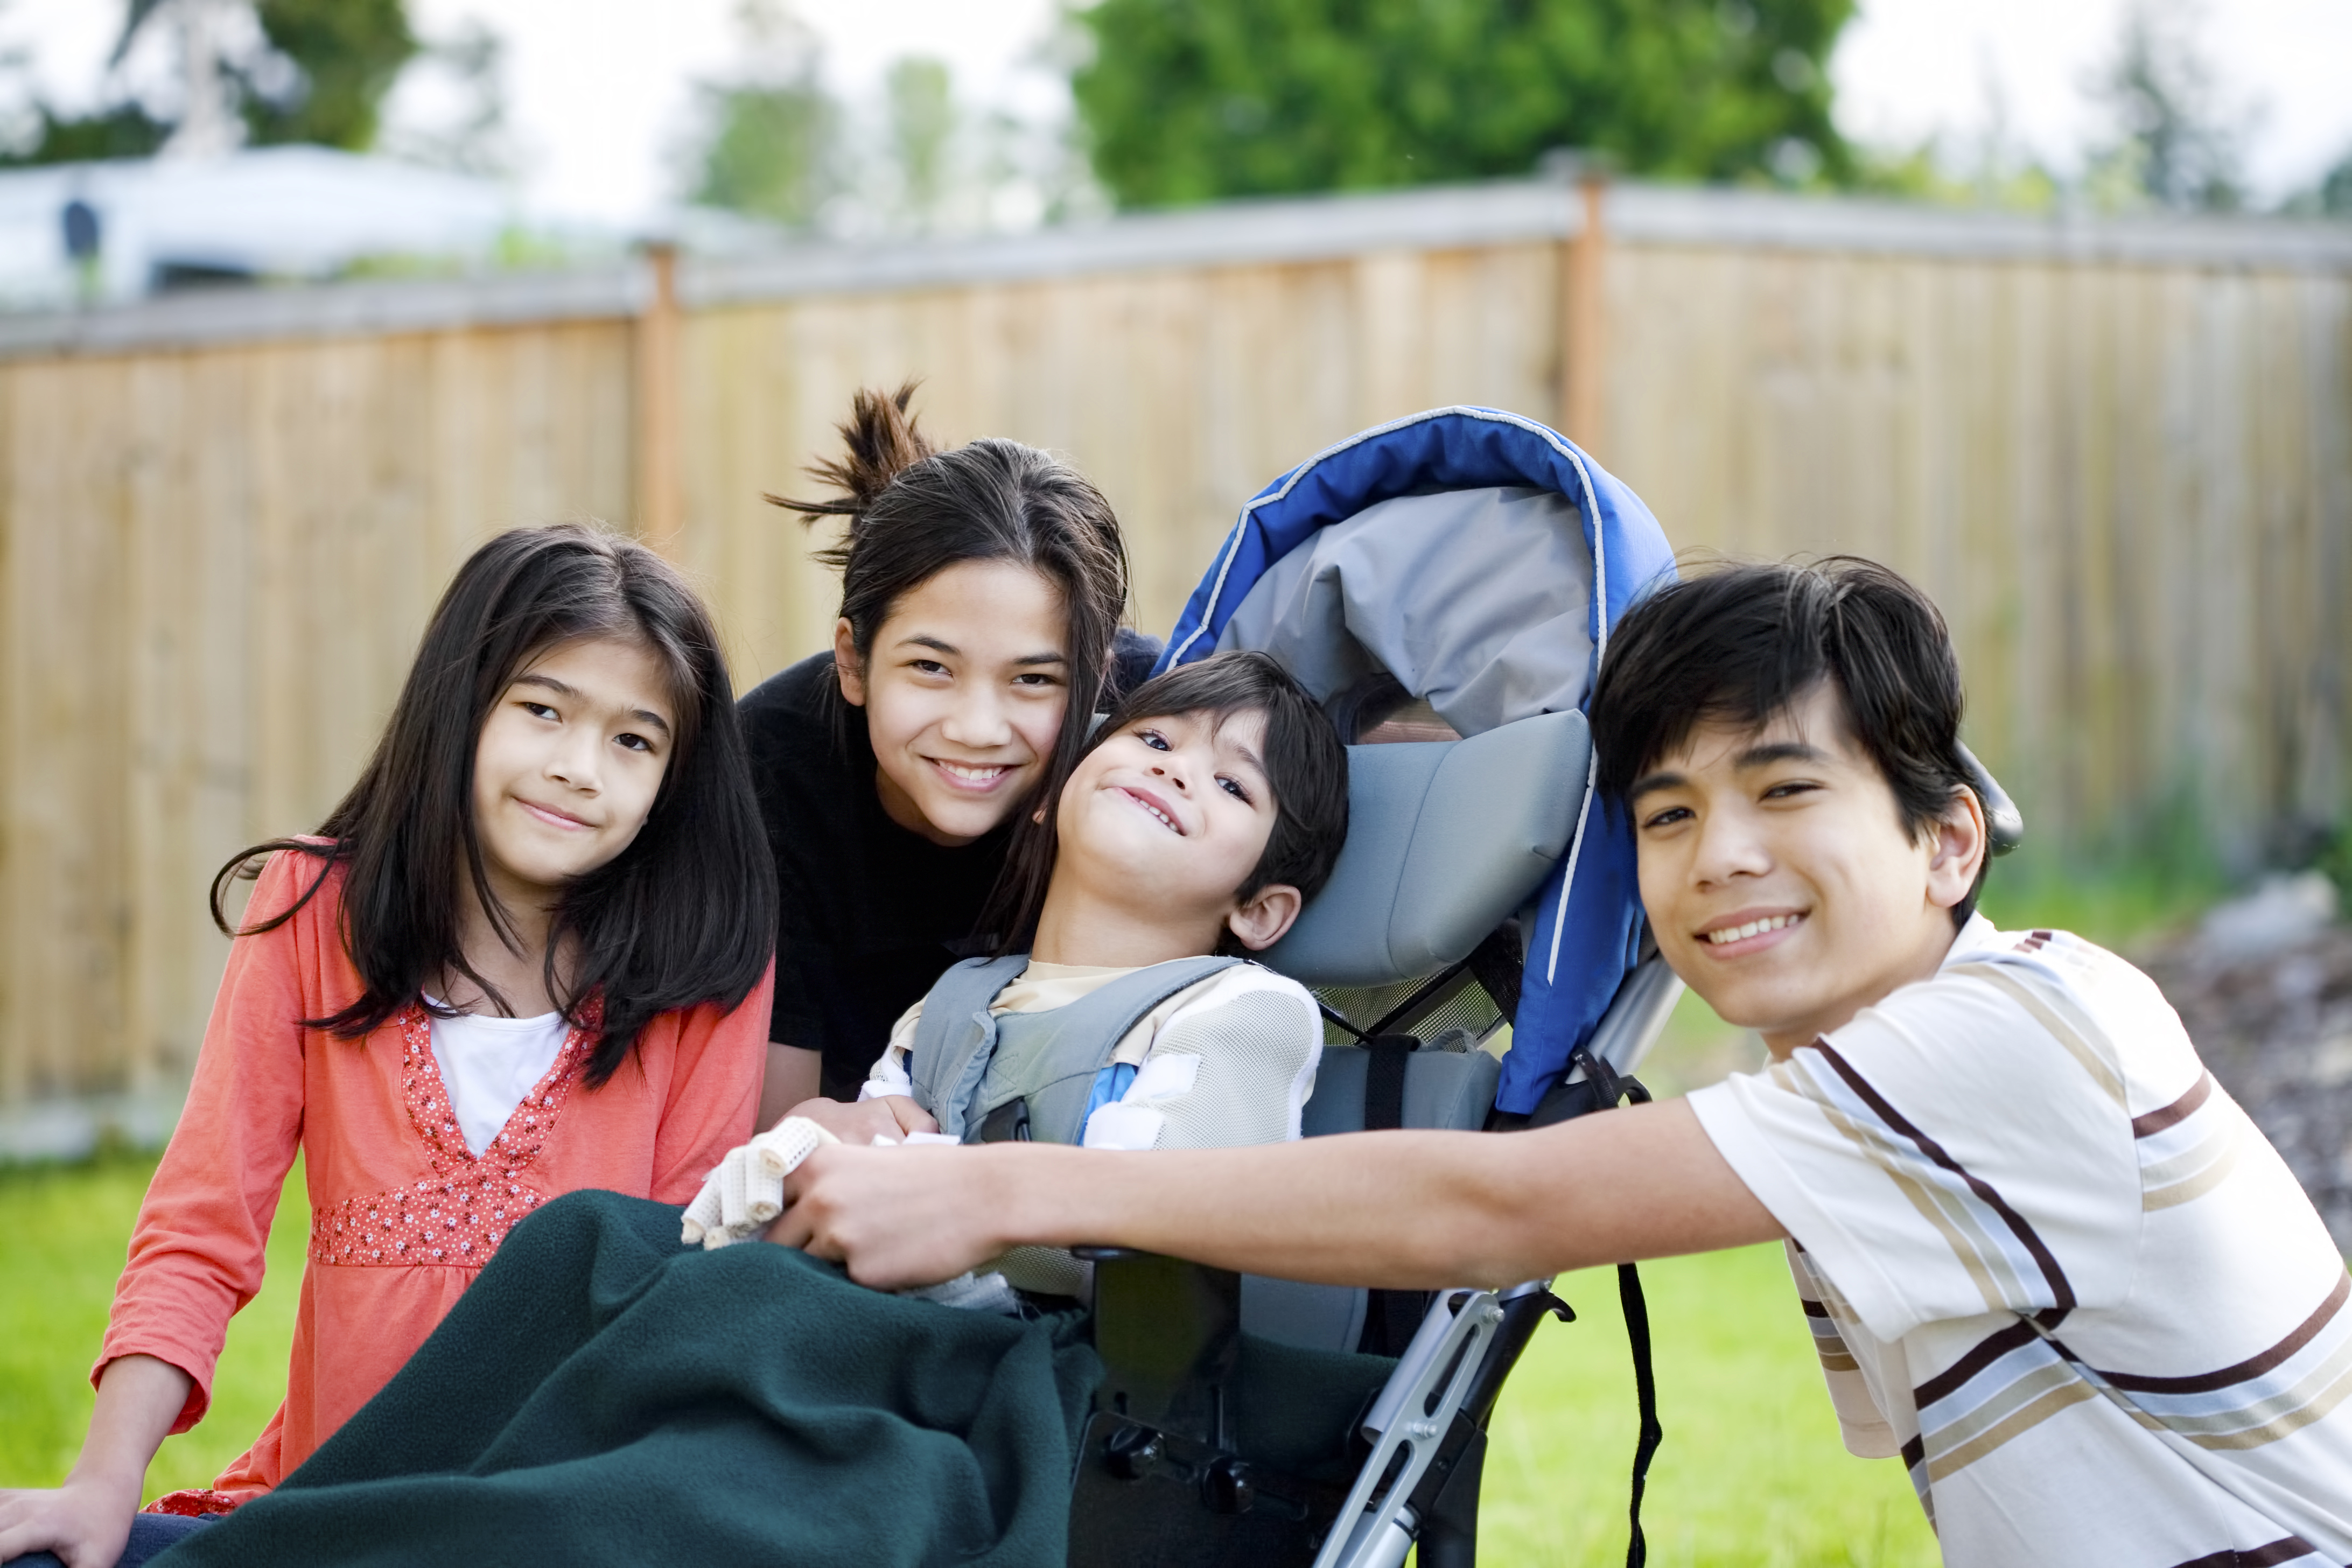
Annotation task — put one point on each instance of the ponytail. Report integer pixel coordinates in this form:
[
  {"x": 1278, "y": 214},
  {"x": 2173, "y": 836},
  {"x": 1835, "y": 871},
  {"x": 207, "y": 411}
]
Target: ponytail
[
  {"x": 914, "y": 509},
  {"x": 881, "y": 442}
]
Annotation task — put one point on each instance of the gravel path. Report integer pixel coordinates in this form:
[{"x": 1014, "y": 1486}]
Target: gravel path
[{"x": 2276, "y": 1030}]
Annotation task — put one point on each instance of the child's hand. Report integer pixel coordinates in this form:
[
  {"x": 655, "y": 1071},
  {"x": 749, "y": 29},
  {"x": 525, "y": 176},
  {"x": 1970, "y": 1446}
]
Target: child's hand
[
  {"x": 86, "y": 1523},
  {"x": 747, "y": 1189},
  {"x": 888, "y": 1119}
]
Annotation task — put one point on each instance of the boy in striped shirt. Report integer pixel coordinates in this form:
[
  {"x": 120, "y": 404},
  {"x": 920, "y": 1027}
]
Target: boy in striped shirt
[{"x": 2047, "y": 1262}]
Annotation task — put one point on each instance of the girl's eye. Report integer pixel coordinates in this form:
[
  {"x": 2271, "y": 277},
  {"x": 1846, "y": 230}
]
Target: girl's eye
[
  {"x": 1793, "y": 787},
  {"x": 539, "y": 710},
  {"x": 928, "y": 666},
  {"x": 1233, "y": 787},
  {"x": 1154, "y": 739},
  {"x": 1667, "y": 818},
  {"x": 633, "y": 743},
  {"x": 1036, "y": 679}
]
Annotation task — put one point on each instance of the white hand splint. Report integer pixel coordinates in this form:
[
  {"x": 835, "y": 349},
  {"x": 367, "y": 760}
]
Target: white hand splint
[{"x": 745, "y": 1192}]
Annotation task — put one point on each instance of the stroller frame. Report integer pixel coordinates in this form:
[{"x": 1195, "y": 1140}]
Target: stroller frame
[
  {"x": 1162, "y": 1475},
  {"x": 1168, "y": 1332}
]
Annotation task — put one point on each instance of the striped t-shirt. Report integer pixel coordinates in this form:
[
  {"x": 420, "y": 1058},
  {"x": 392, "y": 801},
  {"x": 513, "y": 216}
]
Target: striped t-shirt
[{"x": 2052, "y": 1264}]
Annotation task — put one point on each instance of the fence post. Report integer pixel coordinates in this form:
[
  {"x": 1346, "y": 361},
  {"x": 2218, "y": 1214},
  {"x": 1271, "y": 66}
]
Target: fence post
[
  {"x": 661, "y": 504},
  {"x": 1583, "y": 318}
]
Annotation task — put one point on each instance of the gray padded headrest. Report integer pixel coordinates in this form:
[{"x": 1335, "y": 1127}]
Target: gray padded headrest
[{"x": 1445, "y": 841}]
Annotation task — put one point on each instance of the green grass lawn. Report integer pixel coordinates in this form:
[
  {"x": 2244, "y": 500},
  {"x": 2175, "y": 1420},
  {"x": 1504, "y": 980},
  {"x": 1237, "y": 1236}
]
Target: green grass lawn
[
  {"x": 64, "y": 1230},
  {"x": 1751, "y": 1472}
]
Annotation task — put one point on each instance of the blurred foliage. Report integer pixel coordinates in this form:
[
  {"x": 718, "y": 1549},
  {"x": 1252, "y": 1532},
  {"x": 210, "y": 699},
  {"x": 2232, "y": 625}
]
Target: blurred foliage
[
  {"x": 768, "y": 150},
  {"x": 125, "y": 131},
  {"x": 922, "y": 125},
  {"x": 348, "y": 51},
  {"x": 1923, "y": 174},
  {"x": 773, "y": 144},
  {"x": 2335, "y": 861},
  {"x": 1187, "y": 101},
  {"x": 2329, "y": 197},
  {"x": 474, "y": 138},
  {"x": 2121, "y": 890},
  {"x": 322, "y": 79},
  {"x": 771, "y": 134},
  {"x": 2178, "y": 144}
]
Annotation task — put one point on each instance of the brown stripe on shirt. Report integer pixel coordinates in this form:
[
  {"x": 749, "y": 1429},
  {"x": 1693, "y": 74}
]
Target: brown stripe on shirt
[
  {"x": 2062, "y": 1293},
  {"x": 2252, "y": 1366},
  {"x": 1982, "y": 1355},
  {"x": 2285, "y": 1549},
  {"x": 2179, "y": 1110}
]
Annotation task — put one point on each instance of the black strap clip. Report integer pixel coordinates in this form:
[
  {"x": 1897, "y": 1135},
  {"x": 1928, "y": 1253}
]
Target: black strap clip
[{"x": 1008, "y": 1123}]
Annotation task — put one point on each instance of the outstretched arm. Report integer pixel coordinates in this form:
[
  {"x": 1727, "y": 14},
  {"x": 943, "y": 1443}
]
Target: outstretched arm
[{"x": 1414, "y": 1210}]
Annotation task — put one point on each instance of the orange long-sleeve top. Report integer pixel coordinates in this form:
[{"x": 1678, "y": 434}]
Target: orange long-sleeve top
[{"x": 403, "y": 1215}]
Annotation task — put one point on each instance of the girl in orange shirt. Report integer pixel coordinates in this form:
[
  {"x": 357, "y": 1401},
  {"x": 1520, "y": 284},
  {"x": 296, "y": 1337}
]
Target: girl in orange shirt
[{"x": 529, "y": 952}]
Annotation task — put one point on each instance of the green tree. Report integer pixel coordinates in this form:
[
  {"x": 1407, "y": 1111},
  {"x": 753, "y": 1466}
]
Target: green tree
[
  {"x": 1188, "y": 100},
  {"x": 770, "y": 133},
  {"x": 348, "y": 53},
  {"x": 922, "y": 126},
  {"x": 2179, "y": 139},
  {"x": 321, "y": 78},
  {"x": 768, "y": 150}
]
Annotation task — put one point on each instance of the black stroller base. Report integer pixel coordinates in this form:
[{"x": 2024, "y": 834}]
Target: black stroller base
[{"x": 1159, "y": 1500}]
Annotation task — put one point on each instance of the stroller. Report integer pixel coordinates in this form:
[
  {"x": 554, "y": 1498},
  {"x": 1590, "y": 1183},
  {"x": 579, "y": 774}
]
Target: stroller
[{"x": 1445, "y": 585}]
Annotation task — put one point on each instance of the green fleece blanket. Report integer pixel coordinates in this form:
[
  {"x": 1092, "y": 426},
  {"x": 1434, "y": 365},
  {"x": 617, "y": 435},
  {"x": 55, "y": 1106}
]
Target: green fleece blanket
[{"x": 604, "y": 1395}]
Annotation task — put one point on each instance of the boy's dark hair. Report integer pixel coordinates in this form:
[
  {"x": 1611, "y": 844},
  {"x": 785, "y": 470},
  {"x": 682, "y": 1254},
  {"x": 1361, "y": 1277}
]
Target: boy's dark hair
[
  {"x": 1741, "y": 643},
  {"x": 686, "y": 914},
  {"x": 1305, "y": 767},
  {"x": 914, "y": 510}
]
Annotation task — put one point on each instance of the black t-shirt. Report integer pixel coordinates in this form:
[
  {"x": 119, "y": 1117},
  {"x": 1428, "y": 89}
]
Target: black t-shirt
[{"x": 869, "y": 914}]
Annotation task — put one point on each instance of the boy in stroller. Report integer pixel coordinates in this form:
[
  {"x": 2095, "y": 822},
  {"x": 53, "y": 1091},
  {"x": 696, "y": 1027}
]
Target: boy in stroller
[{"x": 1207, "y": 810}]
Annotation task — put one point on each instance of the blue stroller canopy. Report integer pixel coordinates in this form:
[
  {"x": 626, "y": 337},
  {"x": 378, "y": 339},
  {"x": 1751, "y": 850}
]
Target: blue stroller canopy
[{"x": 1478, "y": 559}]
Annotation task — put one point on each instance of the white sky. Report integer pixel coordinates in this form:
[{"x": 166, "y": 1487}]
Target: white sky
[{"x": 599, "y": 90}]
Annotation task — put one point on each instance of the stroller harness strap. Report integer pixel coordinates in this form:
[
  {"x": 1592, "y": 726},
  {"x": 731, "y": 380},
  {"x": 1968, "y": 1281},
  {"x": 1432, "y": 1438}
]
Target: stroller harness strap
[{"x": 1028, "y": 1075}]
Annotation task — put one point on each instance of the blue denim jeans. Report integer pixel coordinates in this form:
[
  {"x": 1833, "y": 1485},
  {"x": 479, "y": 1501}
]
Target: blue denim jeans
[{"x": 150, "y": 1533}]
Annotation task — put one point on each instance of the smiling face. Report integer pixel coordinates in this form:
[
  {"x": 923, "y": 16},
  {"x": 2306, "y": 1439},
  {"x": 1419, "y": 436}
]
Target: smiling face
[
  {"x": 1177, "y": 806},
  {"x": 1779, "y": 877},
  {"x": 963, "y": 690},
  {"x": 568, "y": 764}
]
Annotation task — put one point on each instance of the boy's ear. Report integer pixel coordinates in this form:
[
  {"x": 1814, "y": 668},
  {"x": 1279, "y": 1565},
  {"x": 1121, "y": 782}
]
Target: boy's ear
[
  {"x": 847, "y": 665},
  {"x": 1961, "y": 845},
  {"x": 1259, "y": 923}
]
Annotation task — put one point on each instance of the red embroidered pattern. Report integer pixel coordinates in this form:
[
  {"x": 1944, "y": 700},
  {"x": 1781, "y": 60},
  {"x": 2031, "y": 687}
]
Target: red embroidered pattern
[
  {"x": 193, "y": 1502},
  {"x": 458, "y": 1216}
]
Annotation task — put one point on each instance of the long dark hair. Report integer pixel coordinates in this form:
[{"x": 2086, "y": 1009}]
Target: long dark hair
[
  {"x": 913, "y": 510},
  {"x": 1306, "y": 767},
  {"x": 686, "y": 914}
]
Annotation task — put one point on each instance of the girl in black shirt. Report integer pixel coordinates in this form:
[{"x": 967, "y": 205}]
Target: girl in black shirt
[{"x": 982, "y": 593}]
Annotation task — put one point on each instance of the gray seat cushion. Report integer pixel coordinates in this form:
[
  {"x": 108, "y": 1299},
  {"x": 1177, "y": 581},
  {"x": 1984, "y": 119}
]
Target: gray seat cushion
[{"x": 1445, "y": 840}]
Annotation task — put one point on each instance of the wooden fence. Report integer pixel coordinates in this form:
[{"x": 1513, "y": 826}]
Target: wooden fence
[{"x": 2119, "y": 454}]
